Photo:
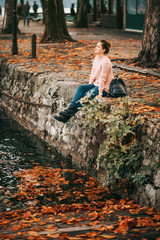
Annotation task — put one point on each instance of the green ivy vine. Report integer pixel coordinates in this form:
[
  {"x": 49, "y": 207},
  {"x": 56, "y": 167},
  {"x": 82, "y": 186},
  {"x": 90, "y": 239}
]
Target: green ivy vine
[{"x": 120, "y": 154}]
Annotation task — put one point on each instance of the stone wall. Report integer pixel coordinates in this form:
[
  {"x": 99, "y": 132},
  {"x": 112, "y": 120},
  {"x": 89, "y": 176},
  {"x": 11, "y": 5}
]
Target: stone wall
[{"x": 34, "y": 98}]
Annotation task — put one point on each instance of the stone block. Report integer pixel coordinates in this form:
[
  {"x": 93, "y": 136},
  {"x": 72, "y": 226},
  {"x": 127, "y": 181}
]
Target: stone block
[
  {"x": 157, "y": 179},
  {"x": 151, "y": 193}
]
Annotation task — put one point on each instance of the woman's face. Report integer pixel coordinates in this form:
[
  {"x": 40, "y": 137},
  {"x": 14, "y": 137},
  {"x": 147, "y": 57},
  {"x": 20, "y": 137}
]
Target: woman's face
[{"x": 99, "y": 49}]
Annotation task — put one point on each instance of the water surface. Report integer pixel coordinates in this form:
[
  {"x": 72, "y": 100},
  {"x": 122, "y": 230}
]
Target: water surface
[{"x": 21, "y": 150}]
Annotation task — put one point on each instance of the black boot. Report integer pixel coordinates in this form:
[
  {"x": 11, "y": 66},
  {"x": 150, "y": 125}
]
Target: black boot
[
  {"x": 70, "y": 111},
  {"x": 63, "y": 119}
]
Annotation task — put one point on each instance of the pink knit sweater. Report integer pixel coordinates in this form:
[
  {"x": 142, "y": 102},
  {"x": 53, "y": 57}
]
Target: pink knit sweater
[{"x": 102, "y": 73}]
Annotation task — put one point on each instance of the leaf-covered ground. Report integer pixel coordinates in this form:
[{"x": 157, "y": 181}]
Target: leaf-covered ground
[
  {"x": 72, "y": 61},
  {"x": 69, "y": 204}
]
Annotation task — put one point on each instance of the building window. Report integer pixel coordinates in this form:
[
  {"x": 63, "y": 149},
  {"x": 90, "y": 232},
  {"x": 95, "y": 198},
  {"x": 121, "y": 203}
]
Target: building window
[
  {"x": 131, "y": 7},
  {"x": 110, "y": 6},
  {"x": 114, "y": 6},
  {"x": 141, "y": 6},
  {"x": 106, "y": 5}
]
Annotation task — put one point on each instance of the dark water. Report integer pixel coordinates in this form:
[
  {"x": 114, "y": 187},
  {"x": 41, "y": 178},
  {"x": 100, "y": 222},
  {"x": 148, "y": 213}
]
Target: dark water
[{"x": 19, "y": 150}]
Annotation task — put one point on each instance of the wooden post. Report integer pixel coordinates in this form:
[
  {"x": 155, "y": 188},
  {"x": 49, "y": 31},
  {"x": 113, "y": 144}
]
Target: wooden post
[{"x": 34, "y": 45}]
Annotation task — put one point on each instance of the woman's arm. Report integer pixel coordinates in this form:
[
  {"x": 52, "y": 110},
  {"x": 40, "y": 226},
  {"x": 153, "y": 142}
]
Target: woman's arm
[
  {"x": 103, "y": 75},
  {"x": 92, "y": 77}
]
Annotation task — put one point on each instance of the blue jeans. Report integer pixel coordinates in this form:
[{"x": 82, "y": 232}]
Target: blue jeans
[
  {"x": 35, "y": 14},
  {"x": 26, "y": 16},
  {"x": 82, "y": 91}
]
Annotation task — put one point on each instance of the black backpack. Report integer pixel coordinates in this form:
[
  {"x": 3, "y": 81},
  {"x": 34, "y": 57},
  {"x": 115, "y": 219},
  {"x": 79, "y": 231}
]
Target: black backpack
[{"x": 117, "y": 88}]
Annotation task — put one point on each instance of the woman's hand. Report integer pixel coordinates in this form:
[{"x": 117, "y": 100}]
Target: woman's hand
[{"x": 99, "y": 96}]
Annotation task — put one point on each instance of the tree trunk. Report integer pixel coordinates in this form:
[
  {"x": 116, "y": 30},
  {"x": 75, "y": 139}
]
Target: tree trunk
[
  {"x": 81, "y": 20},
  {"x": 119, "y": 14},
  {"x": 7, "y": 26},
  {"x": 55, "y": 23},
  {"x": 94, "y": 10},
  {"x": 110, "y": 7},
  {"x": 8, "y": 16},
  {"x": 44, "y": 10},
  {"x": 149, "y": 55}
]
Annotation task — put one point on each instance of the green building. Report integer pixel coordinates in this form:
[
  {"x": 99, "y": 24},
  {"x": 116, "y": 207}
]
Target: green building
[
  {"x": 134, "y": 14},
  {"x": 121, "y": 14}
]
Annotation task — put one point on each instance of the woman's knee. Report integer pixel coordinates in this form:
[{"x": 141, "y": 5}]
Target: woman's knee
[
  {"x": 95, "y": 92},
  {"x": 80, "y": 88}
]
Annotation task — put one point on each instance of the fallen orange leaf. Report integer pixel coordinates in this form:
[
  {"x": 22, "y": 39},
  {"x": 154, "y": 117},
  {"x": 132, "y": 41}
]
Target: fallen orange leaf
[
  {"x": 107, "y": 236},
  {"x": 53, "y": 235}
]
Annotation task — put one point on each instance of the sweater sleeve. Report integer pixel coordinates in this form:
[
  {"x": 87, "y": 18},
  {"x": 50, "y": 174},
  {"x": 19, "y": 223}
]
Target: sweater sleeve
[
  {"x": 91, "y": 79},
  {"x": 105, "y": 67}
]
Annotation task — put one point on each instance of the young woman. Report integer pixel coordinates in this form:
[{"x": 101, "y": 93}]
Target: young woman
[{"x": 99, "y": 81}]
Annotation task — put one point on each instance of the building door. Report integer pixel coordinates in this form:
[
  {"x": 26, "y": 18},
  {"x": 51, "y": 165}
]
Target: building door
[{"x": 135, "y": 12}]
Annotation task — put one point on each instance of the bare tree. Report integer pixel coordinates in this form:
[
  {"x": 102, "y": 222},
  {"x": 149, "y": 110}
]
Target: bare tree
[
  {"x": 149, "y": 55},
  {"x": 55, "y": 23}
]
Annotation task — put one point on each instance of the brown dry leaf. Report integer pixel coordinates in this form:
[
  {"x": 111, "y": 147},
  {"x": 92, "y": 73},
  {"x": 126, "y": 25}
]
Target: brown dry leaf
[
  {"x": 136, "y": 230},
  {"x": 94, "y": 223},
  {"x": 64, "y": 236},
  {"x": 92, "y": 234},
  {"x": 74, "y": 238},
  {"x": 43, "y": 223},
  {"x": 109, "y": 228},
  {"x": 100, "y": 229},
  {"x": 16, "y": 228},
  {"x": 134, "y": 235},
  {"x": 71, "y": 220},
  {"x": 134, "y": 211},
  {"x": 81, "y": 235},
  {"x": 107, "y": 236},
  {"x": 145, "y": 222},
  {"x": 157, "y": 217},
  {"x": 123, "y": 227},
  {"x": 8, "y": 236},
  {"x": 33, "y": 233},
  {"x": 51, "y": 228},
  {"x": 41, "y": 238},
  {"x": 93, "y": 215},
  {"x": 53, "y": 235},
  {"x": 47, "y": 209}
]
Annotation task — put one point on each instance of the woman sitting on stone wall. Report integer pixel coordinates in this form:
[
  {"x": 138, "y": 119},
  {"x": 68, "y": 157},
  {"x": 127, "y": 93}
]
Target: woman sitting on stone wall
[{"x": 99, "y": 81}]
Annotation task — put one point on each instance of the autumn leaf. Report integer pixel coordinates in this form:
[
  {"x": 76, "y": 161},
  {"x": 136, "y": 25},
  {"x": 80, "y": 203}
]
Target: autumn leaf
[
  {"x": 53, "y": 235},
  {"x": 107, "y": 236},
  {"x": 33, "y": 233},
  {"x": 70, "y": 221},
  {"x": 94, "y": 223},
  {"x": 125, "y": 224},
  {"x": 92, "y": 234},
  {"x": 93, "y": 215},
  {"x": 123, "y": 229},
  {"x": 74, "y": 238}
]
